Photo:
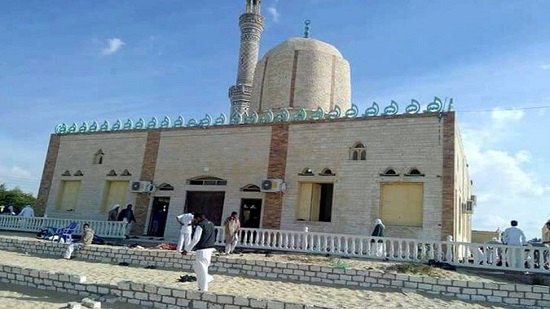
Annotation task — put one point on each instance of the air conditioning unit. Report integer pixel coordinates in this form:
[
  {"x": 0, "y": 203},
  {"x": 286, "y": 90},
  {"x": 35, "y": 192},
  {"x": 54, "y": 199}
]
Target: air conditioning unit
[
  {"x": 272, "y": 185},
  {"x": 469, "y": 206},
  {"x": 142, "y": 186},
  {"x": 473, "y": 198}
]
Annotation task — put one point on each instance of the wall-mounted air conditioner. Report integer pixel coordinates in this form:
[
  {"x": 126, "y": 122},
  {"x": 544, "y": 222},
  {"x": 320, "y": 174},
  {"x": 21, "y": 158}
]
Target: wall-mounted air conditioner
[
  {"x": 272, "y": 185},
  {"x": 142, "y": 186}
]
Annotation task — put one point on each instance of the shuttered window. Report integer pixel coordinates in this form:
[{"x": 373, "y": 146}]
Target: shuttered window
[{"x": 402, "y": 204}]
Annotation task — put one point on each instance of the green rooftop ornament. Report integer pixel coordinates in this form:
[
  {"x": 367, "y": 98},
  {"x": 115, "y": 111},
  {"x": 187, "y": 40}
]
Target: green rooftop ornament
[
  {"x": 283, "y": 115},
  {"x": 306, "y": 28}
]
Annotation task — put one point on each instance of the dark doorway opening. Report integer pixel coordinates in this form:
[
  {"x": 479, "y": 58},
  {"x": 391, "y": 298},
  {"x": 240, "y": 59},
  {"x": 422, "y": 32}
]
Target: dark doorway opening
[
  {"x": 159, "y": 213},
  {"x": 208, "y": 203},
  {"x": 251, "y": 212}
]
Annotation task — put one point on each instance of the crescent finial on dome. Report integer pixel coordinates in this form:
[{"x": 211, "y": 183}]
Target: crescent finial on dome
[{"x": 306, "y": 31}]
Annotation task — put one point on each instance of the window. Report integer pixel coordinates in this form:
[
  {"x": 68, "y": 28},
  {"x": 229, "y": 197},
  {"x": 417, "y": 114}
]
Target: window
[
  {"x": 115, "y": 194},
  {"x": 315, "y": 202},
  {"x": 358, "y": 152},
  {"x": 306, "y": 172},
  {"x": 165, "y": 187},
  {"x": 389, "y": 172},
  {"x": 327, "y": 172},
  {"x": 250, "y": 188},
  {"x": 208, "y": 181},
  {"x": 98, "y": 157},
  {"x": 402, "y": 204},
  {"x": 68, "y": 195},
  {"x": 415, "y": 173}
]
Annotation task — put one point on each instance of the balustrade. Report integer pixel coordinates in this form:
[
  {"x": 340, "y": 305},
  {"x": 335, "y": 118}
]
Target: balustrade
[
  {"x": 486, "y": 256},
  {"x": 110, "y": 229}
]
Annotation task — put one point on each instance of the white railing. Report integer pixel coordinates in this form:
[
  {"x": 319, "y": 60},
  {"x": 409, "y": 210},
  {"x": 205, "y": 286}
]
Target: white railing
[
  {"x": 109, "y": 229},
  {"x": 486, "y": 256}
]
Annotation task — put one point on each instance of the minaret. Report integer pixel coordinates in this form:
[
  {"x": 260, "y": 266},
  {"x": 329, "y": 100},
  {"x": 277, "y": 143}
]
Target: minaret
[{"x": 252, "y": 25}]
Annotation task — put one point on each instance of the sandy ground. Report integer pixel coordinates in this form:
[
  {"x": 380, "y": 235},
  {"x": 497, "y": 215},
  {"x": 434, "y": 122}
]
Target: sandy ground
[
  {"x": 17, "y": 296},
  {"x": 363, "y": 264},
  {"x": 336, "y": 297}
]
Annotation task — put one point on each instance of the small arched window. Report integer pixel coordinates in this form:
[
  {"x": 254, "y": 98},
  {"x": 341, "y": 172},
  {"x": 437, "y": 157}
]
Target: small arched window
[
  {"x": 327, "y": 172},
  {"x": 389, "y": 172},
  {"x": 250, "y": 188},
  {"x": 165, "y": 187},
  {"x": 358, "y": 152},
  {"x": 306, "y": 172},
  {"x": 98, "y": 157},
  {"x": 207, "y": 181},
  {"x": 414, "y": 172}
]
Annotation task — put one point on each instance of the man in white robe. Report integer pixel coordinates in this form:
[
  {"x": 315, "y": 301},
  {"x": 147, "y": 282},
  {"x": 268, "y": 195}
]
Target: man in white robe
[{"x": 185, "y": 220}]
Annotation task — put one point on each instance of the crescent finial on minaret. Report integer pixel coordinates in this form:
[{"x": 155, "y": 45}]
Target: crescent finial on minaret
[{"x": 306, "y": 30}]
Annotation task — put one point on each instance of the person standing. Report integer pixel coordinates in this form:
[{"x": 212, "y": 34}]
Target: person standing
[
  {"x": 27, "y": 212},
  {"x": 113, "y": 213},
  {"x": 513, "y": 236},
  {"x": 185, "y": 220},
  {"x": 546, "y": 233},
  {"x": 128, "y": 216},
  {"x": 378, "y": 231},
  {"x": 203, "y": 242},
  {"x": 232, "y": 227},
  {"x": 87, "y": 238}
]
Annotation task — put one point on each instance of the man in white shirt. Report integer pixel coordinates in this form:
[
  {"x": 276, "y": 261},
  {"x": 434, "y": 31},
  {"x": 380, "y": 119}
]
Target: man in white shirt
[
  {"x": 185, "y": 220},
  {"x": 203, "y": 241},
  {"x": 27, "y": 212},
  {"x": 513, "y": 236}
]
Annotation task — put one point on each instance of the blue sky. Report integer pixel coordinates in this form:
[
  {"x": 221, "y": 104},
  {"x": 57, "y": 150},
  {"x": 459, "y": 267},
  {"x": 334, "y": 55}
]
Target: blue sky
[{"x": 75, "y": 61}]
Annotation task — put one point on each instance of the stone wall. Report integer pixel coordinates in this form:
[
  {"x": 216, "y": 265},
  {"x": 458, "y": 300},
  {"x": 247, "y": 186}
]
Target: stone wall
[
  {"x": 123, "y": 151},
  {"x": 148, "y": 295},
  {"x": 401, "y": 143},
  {"x": 532, "y": 296},
  {"x": 246, "y": 154}
]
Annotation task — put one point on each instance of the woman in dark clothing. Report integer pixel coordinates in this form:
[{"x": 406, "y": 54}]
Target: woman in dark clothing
[
  {"x": 378, "y": 228},
  {"x": 378, "y": 248}
]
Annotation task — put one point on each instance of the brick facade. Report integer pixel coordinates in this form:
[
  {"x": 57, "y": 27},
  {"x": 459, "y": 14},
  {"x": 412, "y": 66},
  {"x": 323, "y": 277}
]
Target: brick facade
[
  {"x": 147, "y": 173},
  {"x": 47, "y": 176},
  {"x": 448, "y": 177},
  {"x": 273, "y": 202},
  {"x": 245, "y": 154}
]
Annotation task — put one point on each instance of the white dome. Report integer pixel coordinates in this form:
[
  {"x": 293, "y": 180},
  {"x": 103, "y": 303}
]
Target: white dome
[{"x": 293, "y": 44}]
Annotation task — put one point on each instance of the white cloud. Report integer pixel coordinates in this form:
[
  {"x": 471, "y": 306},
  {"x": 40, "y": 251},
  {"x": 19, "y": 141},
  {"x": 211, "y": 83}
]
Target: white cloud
[
  {"x": 114, "y": 45},
  {"x": 545, "y": 66},
  {"x": 16, "y": 172},
  {"x": 506, "y": 188},
  {"x": 503, "y": 116},
  {"x": 272, "y": 10}
]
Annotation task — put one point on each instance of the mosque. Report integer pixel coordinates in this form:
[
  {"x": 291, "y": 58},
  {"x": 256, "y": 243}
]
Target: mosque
[{"x": 293, "y": 153}]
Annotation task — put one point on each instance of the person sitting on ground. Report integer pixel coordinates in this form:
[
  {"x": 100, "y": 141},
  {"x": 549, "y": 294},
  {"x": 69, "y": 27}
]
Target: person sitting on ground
[{"x": 86, "y": 240}]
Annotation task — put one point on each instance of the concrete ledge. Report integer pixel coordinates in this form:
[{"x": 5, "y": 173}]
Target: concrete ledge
[
  {"x": 530, "y": 296},
  {"x": 138, "y": 293}
]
